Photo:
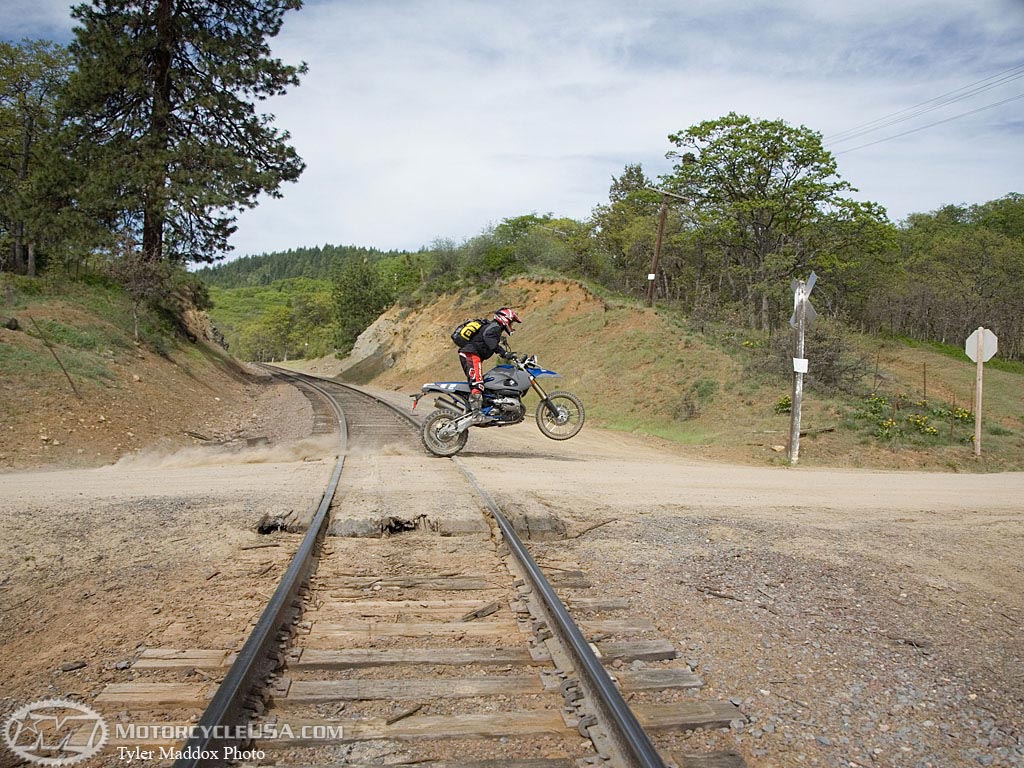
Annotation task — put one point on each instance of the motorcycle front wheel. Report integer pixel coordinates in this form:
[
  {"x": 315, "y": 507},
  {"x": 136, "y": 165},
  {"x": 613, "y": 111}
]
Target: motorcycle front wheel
[
  {"x": 440, "y": 436},
  {"x": 560, "y": 416}
]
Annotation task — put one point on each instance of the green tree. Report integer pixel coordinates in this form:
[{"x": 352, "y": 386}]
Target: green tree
[
  {"x": 625, "y": 228},
  {"x": 312, "y": 324},
  {"x": 267, "y": 338},
  {"x": 768, "y": 195},
  {"x": 624, "y": 188},
  {"x": 161, "y": 124},
  {"x": 564, "y": 246},
  {"x": 32, "y": 75},
  {"x": 1005, "y": 215},
  {"x": 360, "y": 295},
  {"x": 499, "y": 252},
  {"x": 959, "y": 267}
]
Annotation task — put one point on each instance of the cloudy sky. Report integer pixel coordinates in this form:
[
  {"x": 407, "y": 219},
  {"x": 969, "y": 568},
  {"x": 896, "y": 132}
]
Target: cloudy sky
[{"x": 427, "y": 119}]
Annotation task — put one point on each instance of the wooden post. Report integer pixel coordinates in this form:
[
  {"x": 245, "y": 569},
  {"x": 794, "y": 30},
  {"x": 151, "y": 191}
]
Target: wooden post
[
  {"x": 952, "y": 418},
  {"x": 657, "y": 250},
  {"x": 661, "y": 235},
  {"x": 800, "y": 313},
  {"x": 977, "y": 392}
]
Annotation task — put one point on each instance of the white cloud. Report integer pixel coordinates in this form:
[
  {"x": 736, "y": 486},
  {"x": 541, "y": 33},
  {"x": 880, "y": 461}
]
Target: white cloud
[
  {"x": 433, "y": 119},
  {"x": 36, "y": 19}
]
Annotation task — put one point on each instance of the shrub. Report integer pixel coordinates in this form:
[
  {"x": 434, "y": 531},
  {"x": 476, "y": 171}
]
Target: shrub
[
  {"x": 888, "y": 429},
  {"x": 920, "y": 424},
  {"x": 833, "y": 364},
  {"x": 697, "y": 396}
]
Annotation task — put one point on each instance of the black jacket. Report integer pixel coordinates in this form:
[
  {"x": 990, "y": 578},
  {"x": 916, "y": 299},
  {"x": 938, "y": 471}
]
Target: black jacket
[{"x": 486, "y": 341}]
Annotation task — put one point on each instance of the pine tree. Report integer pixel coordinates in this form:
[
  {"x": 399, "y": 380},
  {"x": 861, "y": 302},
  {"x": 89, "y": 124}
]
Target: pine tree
[
  {"x": 359, "y": 296},
  {"x": 32, "y": 73},
  {"x": 162, "y": 127}
]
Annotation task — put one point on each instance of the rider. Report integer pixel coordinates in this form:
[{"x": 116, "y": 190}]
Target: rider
[{"x": 484, "y": 343}]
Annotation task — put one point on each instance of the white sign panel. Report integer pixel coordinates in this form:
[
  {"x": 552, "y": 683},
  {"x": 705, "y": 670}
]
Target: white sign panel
[
  {"x": 991, "y": 345},
  {"x": 800, "y": 364}
]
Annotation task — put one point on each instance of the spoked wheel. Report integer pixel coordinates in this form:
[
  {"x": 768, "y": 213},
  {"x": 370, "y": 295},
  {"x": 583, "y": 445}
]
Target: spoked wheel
[
  {"x": 440, "y": 436},
  {"x": 560, "y": 416}
]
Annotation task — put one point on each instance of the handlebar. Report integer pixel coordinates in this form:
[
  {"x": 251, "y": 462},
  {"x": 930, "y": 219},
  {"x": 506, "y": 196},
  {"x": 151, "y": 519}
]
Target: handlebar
[{"x": 523, "y": 360}]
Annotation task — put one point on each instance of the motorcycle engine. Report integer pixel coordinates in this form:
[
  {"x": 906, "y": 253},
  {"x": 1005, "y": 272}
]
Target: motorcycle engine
[{"x": 509, "y": 408}]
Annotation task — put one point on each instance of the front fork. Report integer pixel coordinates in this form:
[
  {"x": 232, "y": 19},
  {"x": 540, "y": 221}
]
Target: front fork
[{"x": 544, "y": 397}]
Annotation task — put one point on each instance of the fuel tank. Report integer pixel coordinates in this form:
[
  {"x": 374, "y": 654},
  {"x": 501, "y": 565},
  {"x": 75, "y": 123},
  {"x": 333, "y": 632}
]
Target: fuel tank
[{"x": 506, "y": 380}]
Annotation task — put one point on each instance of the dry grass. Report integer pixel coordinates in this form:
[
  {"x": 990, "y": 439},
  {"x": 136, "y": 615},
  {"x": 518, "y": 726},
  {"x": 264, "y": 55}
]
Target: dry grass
[
  {"x": 641, "y": 370},
  {"x": 128, "y": 397}
]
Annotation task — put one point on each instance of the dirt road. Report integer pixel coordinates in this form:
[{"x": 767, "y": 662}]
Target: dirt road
[{"x": 860, "y": 618}]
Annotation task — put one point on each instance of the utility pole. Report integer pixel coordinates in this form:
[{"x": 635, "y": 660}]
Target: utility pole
[{"x": 653, "y": 275}]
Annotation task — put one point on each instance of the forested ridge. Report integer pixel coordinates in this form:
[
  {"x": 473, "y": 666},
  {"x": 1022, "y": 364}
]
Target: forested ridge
[
  {"x": 264, "y": 269},
  {"x": 130, "y": 153},
  {"x": 934, "y": 277}
]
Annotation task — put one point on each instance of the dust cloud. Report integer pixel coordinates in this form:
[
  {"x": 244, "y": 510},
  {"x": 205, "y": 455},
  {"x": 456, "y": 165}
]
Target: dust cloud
[{"x": 307, "y": 449}]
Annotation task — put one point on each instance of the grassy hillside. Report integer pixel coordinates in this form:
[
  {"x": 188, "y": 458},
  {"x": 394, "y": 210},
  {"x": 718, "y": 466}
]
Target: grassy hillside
[
  {"x": 716, "y": 389},
  {"x": 639, "y": 369},
  {"x": 117, "y": 394},
  {"x": 290, "y": 318}
]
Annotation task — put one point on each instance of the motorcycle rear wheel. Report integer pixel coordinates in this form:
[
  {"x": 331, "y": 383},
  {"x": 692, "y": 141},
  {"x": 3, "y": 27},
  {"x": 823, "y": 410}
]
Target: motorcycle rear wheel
[
  {"x": 439, "y": 436},
  {"x": 566, "y": 421}
]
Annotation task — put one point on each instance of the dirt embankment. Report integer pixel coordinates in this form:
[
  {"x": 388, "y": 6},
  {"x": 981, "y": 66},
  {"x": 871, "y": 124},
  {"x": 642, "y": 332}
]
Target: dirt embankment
[
  {"x": 80, "y": 392},
  {"x": 639, "y": 370}
]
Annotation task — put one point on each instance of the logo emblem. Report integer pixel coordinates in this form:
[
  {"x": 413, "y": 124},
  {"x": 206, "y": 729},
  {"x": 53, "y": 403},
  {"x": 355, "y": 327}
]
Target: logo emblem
[{"x": 55, "y": 732}]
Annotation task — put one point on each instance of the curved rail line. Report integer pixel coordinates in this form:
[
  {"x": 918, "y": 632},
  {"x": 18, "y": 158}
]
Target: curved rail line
[
  {"x": 626, "y": 740},
  {"x": 256, "y": 661}
]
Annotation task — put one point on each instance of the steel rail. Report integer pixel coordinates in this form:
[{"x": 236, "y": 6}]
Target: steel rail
[
  {"x": 223, "y": 723},
  {"x": 627, "y": 736},
  {"x": 394, "y": 408},
  {"x": 624, "y": 731}
]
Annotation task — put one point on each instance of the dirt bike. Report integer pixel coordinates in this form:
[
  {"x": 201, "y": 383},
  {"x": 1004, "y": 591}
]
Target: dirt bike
[{"x": 445, "y": 432}]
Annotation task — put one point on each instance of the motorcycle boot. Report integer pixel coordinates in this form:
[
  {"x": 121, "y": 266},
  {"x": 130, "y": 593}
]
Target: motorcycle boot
[{"x": 476, "y": 403}]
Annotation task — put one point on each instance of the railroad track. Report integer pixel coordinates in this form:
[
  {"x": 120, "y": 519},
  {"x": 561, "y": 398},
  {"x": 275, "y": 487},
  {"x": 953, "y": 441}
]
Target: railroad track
[{"x": 424, "y": 633}]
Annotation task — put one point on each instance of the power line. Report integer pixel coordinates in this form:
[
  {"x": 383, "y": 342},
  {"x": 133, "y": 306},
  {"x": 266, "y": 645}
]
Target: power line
[
  {"x": 857, "y": 134},
  {"x": 938, "y": 122},
  {"x": 950, "y": 97}
]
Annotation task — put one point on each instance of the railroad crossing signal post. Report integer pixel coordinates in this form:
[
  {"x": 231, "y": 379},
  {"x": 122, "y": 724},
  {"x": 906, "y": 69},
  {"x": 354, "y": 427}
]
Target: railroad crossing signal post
[
  {"x": 803, "y": 313},
  {"x": 980, "y": 347}
]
